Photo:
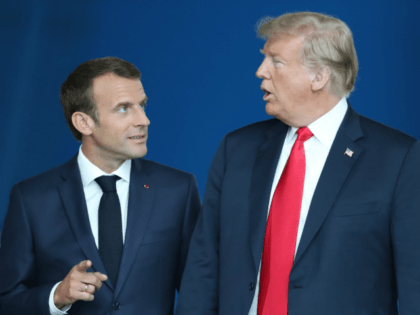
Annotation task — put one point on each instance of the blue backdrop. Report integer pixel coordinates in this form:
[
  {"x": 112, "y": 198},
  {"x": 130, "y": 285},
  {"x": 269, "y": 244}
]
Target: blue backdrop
[{"x": 198, "y": 61}]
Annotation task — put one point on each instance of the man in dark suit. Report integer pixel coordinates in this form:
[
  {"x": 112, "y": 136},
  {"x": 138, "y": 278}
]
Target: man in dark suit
[
  {"x": 107, "y": 231},
  {"x": 316, "y": 211}
]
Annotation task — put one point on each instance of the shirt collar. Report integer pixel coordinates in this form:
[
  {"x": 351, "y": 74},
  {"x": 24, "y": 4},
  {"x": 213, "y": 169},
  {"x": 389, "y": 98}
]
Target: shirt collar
[
  {"x": 89, "y": 171},
  {"x": 325, "y": 127}
]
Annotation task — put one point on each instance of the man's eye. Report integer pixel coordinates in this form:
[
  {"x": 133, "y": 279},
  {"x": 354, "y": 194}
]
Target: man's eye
[
  {"x": 143, "y": 106},
  {"x": 276, "y": 61},
  {"x": 122, "y": 109}
]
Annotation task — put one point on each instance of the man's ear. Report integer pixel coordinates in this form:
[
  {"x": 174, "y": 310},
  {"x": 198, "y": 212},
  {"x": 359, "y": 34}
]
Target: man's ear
[
  {"x": 320, "y": 79},
  {"x": 83, "y": 123}
]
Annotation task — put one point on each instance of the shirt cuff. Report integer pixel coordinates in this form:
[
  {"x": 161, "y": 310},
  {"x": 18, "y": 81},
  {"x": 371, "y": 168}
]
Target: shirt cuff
[{"x": 53, "y": 309}]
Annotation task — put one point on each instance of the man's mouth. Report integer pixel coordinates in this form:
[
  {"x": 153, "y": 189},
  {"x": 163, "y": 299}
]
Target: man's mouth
[
  {"x": 267, "y": 93},
  {"x": 137, "y": 137}
]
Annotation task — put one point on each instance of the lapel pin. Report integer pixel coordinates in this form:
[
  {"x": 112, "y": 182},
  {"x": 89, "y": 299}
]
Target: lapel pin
[
  {"x": 146, "y": 186},
  {"x": 348, "y": 152}
]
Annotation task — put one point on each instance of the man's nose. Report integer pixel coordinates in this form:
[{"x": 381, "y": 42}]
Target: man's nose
[
  {"x": 141, "y": 118},
  {"x": 262, "y": 72}
]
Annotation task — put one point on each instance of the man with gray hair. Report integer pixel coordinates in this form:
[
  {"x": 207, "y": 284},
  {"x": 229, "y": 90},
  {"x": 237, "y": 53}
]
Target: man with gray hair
[{"x": 317, "y": 210}]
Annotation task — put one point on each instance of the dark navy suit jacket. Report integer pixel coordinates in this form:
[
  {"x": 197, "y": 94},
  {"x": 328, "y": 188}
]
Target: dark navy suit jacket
[
  {"x": 46, "y": 232},
  {"x": 360, "y": 248}
]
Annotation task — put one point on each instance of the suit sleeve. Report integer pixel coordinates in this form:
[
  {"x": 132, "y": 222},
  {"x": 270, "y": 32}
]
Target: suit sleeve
[
  {"x": 192, "y": 211},
  {"x": 405, "y": 231},
  {"x": 19, "y": 292},
  {"x": 200, "y": 283}
]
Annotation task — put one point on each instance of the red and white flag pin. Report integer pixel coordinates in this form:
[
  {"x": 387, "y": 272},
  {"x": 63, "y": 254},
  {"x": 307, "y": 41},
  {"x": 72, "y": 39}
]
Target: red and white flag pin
[
  {"x": 146, "y": 186},
  {"x": 348, "y": 152}
]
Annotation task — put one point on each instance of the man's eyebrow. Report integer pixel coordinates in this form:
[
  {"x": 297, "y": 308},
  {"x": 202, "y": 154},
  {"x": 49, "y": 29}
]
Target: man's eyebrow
[
  {"x": 269, "y": 53},
  {"x": 120, "y": 104},
  {"x": 144, "y": 101}
]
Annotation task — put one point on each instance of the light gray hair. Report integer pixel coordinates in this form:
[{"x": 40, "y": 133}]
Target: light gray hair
[{"x": 327, "y": 43}]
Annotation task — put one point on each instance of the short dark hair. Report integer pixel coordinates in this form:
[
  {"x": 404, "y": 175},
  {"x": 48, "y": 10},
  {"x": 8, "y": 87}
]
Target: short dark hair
[{"x": 76, "y": 92}]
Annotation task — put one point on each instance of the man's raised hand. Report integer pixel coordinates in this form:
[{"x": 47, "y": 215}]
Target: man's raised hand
[{"x": 78, "y": 285}]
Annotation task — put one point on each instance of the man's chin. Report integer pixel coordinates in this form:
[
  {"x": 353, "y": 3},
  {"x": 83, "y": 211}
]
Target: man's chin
[
  {"x": 135, "y": 154},
  {"x": 140, "y": 154},
  {"x": 270, "y": 109}
]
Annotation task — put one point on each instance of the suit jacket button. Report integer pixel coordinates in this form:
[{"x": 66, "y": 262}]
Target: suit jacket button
[
  {"x": 251, "y": 286},
  {"x": 116, "y": 306}
]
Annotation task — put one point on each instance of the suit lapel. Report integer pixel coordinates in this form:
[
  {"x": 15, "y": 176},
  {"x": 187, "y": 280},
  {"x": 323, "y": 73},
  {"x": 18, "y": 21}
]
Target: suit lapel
[
  {"x": 262, "y": 179},
  {"x": 72, "y": 195},
  {"x": 140, "y": 204},
  {"x": 336, "y": 169}
]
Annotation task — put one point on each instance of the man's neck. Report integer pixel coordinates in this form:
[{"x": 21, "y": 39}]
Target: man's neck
[
  {"x": 101, "y": 160},
  {"x": 324, "y": 103}
]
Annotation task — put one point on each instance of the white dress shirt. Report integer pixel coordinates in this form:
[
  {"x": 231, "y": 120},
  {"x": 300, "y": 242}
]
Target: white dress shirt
[
  {"x": 317, "y": 148},
  {"x": 93, "y": 193}
]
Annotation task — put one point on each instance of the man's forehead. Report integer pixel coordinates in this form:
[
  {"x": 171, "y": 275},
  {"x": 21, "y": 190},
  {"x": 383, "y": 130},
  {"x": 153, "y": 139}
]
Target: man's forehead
[
  {"x": 112, "y": 77},
  {"x": 280, "y": 45},
  {"x": 112, "y": 81},
  {"x": 112, "y": 86},
  {"x": 283, "y": 38}
]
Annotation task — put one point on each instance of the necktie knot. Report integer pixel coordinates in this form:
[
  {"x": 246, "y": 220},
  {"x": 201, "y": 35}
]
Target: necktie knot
[
  {"x": 304, "y": 134},
  {"x": 107, "y": 183}
]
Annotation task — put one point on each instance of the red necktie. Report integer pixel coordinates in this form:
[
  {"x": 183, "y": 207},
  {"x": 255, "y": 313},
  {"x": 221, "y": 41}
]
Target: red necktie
[{"x": 281, "y": 232}]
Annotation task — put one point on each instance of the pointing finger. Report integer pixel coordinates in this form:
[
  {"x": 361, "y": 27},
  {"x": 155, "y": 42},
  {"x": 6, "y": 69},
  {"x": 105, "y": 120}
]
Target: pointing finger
[{"x": 84, "y": 265}]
